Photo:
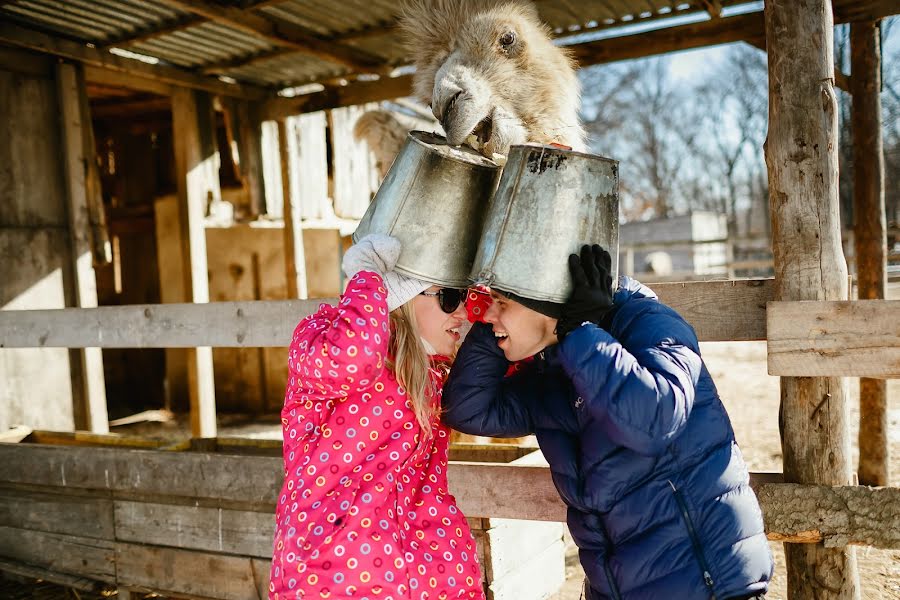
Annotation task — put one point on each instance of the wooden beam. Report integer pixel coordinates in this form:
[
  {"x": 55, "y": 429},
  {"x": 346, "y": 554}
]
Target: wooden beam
[
  {"x": 869, "y": 234},
  {"x": 197, "y": 171},
  {"x": 745, "y": 27},
  {"x": 719, "y": 311},
  {"x": 842, "y": 81},
  {"x": 23, "y": 37},
  {"x": 82, "y": 191},
  {"x": 121, "y": 79},
  {"x": 817, "y": 339},
  {"x": 131, "y": 108},
  {"x": 802, "y": 161},
  {"x": 847, "y": 11},
  {"x": 361, "y": 92},
  {"x": 282, "y": 33}
]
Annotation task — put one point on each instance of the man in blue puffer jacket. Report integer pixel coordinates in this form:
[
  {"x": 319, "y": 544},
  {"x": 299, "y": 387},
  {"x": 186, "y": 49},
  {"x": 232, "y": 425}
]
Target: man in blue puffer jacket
[{"x": 640, "y": 447}]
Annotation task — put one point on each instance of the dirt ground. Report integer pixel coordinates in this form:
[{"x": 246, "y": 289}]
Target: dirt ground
[{"x": 751, "y": 397}]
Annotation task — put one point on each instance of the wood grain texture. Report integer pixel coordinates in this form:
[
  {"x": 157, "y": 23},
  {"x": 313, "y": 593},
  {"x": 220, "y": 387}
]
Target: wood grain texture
[
  {"x": 854, "y": 339},
  {"x": 802, "y": 161},
  {"x": 718, "y": 311}
]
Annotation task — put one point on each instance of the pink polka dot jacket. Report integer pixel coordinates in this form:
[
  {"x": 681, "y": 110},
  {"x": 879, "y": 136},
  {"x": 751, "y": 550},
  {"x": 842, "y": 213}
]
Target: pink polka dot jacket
[{"x": 364, "y": 512}]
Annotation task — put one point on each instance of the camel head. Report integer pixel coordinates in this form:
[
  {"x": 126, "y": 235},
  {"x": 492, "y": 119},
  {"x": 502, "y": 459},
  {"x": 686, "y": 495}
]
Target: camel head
[{"x": 489, "y": 68}]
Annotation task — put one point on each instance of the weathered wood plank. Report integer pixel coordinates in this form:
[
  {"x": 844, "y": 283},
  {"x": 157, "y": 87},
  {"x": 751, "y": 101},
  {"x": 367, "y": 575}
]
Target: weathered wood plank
[
  {"x": 353, "y": 164},
  {"x": 82, "y": 193},
  {"x": 253, "y": 480},
  {"x": 837, "y": 516},
  {"x": 719, "y": 311},
  {"x": 197, "y": 177},
  {"x": 81, "y": 556},
  {"x": 192, "y": 573},
  {"x": 241, "y": 532},
  {"x": 858, "y": 339},
  {"x": 511, "y": 543},
  {"x": 54, "y": 510},
  {"x": 538, "y": 575},
  {"x": 294, "y": 255},
  {"x": 73, "y": 581},
  {"x": 218, "y": 324}
]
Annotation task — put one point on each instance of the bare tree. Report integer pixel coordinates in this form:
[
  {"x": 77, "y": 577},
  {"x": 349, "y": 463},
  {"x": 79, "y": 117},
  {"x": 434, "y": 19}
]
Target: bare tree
[{"x": 632, "y": 114}]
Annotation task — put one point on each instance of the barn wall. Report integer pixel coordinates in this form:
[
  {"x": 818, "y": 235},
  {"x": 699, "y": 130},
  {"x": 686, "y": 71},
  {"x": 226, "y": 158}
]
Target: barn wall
[{"x": 34, "y": 239}]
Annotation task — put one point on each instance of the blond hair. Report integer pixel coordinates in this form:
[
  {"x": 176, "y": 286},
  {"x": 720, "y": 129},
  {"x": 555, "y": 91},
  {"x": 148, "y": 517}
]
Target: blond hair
[{"x": 411, "y": 364}]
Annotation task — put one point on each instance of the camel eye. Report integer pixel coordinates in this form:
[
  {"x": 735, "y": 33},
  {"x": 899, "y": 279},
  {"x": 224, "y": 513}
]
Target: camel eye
[{"x": 507, "y": 39}]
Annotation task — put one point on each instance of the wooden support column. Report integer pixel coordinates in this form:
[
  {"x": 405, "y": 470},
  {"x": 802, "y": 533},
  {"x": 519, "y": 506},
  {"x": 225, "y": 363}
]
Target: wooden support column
[
  {"x": 801, "y": 155},
  {"x": 197, "y": 168},
  {"x": 88, "y": 385},
  {"x": 295, "y": 257},
  {"x": 869, "y": 234}
]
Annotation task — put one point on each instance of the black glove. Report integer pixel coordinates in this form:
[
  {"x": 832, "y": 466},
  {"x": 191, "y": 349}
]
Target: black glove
[{"x": 592, "y": 296}]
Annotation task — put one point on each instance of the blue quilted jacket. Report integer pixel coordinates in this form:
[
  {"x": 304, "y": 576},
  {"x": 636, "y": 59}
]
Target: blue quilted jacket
[{"x": 640, "y": 448}]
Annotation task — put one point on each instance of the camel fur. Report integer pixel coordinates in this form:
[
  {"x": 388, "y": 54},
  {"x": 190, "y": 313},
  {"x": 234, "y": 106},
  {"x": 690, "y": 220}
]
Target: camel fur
[{"x": 490, "y": 68}]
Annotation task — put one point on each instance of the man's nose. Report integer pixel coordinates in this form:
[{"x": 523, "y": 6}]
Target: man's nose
[{"x": 491, "y": 314}]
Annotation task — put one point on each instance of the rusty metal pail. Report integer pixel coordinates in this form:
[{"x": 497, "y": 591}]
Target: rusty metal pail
[
  {"x": 548, "y": 204},
  {"x": 434, "y": 200}
]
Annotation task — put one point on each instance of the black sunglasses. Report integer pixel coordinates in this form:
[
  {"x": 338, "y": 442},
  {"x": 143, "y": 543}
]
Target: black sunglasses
[{"x": 448, "y": 298}]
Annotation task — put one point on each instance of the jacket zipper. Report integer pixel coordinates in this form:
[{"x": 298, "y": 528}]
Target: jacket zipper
[
  {"x": 613, "y": 588},
  {"x": 612, "y": 584},
  {"x": 695, "y": 541}
]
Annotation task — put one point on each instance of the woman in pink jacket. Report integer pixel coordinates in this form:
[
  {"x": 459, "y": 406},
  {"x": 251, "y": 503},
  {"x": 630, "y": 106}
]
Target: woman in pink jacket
[{"x": 365, "y": 511}]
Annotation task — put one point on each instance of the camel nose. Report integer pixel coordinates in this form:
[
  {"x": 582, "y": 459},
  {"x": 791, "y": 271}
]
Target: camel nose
[
  {"x": 444, "y": 109},
  {"x": 459, "y": 102}
]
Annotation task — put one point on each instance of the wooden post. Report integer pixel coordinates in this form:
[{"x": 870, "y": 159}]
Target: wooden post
[
  {"x": 243, "y": 128},
  {"x": 801, "y": 154},
  {"x": 250, "y": 150},
  {"x": 197, "y": 168},
  {"x": 870, "y": 234},
  {"x": 295, "y": 257},
  {"x": 88, "y": 384}
]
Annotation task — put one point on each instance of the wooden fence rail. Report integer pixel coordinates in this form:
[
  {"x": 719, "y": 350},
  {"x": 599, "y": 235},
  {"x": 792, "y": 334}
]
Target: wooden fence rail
[
  {"x": 718, "y": 310},
  {"x": 834, "y": 339},
  {"x": 224, "y": 489}
]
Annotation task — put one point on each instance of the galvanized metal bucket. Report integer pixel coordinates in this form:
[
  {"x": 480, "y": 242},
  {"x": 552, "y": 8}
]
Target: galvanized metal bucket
[
  {"x": 548, "y": 204},
  {"x": 434, "y": 200}
]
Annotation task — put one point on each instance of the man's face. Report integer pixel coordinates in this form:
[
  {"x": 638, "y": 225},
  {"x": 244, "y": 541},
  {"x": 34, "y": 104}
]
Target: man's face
[{"x": 520, "y": 331}]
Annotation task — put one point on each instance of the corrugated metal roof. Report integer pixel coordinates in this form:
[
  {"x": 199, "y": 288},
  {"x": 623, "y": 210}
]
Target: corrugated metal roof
[{"x": 193, "y": 42}]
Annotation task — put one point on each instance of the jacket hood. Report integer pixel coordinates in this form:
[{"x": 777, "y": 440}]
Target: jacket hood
[{"x": 629, "y": 289}]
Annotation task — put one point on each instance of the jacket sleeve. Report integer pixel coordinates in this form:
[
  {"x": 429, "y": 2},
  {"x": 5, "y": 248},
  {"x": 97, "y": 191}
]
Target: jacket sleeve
[
  {"x": 478, "y": 399},
  {"x": 642, "y": 394},
  {"x": 341, "y": 349}
]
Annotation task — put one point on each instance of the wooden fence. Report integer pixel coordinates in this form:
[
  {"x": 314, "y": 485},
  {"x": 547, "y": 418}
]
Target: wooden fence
[{"x": 79, "y": 512}]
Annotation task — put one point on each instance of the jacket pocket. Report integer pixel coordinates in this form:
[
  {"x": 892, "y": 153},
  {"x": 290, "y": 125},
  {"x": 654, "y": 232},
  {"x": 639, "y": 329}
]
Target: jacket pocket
[{"x": 695, "y": 539}]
